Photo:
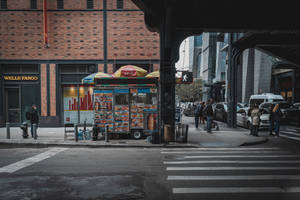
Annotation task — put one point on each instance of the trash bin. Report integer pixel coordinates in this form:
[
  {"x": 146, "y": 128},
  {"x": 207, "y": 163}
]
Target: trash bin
[
  {"x": 168, "y": 136},
  {"x": 181, "y": 133}
]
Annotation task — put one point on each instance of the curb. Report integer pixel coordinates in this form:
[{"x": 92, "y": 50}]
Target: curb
[
  {"x": 255, "y": 143},
  {"x": 46, "y": 145}
]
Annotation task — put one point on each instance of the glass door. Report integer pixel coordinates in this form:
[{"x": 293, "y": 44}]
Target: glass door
[{"x": 12, "y": 99}]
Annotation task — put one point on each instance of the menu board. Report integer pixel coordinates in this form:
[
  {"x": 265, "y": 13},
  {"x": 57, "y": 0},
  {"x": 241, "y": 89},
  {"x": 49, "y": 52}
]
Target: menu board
[
  {"x": 137, "y": 116},
  {"x": 103, "y": 108},
  {"x": 122, "y": 118}
]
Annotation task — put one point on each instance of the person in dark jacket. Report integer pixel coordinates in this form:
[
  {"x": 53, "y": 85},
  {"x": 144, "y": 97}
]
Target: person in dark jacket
[
  {"x": 197, "y": 113},
  {"x": 34, "y": 118},
  {"x": 209, "y": 114},
  {"x": 271, "y": 119},
  {"x": 277, "y": 114},
  {"x": 201, "y": 113}
]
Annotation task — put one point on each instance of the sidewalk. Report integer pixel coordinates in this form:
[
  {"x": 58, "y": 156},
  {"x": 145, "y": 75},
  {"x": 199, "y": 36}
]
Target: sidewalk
[{"x": 225, "y": 137}]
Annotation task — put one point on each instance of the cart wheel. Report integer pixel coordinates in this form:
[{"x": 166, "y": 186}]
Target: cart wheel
[{"x": 137, "y": 134}]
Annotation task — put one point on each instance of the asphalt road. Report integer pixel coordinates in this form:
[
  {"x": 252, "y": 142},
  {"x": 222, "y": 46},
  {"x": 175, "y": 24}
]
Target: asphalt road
[{"x": 266, "y": 171}]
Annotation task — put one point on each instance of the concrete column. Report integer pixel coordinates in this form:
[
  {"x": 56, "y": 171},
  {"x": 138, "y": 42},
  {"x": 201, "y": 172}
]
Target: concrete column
[
  {"x": 167, "y": 76},
  {"x": 43, "y": 75}
]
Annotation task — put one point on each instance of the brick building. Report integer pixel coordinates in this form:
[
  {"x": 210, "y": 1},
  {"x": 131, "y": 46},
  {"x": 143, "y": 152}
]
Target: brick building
[{"x": 48, "y": 46}]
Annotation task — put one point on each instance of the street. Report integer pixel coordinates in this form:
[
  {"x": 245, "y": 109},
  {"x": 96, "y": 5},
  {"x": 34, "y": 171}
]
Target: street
[{"x": 268, "y": 171}]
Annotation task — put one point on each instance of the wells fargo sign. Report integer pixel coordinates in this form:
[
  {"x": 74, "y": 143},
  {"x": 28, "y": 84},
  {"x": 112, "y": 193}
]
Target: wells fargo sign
[{"x": 21, "y": 78}]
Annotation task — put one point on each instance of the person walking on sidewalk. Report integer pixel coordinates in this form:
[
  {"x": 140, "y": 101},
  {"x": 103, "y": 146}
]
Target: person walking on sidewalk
[
  {"x": 208, "y": 111},
  {"x": 271, "y": 119},
  {"x": 197, "y": 113},
  {"x": 202, "y": 121},
  {"x": 255, "y": 118},
  {"x": 277, "y": 114},
  {"x": 34, "y": 118}
]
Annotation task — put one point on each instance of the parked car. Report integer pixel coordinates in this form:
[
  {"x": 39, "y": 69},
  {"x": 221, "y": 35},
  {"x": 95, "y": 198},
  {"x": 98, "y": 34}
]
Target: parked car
[
  {"x": 242, "y": 105},
  {"x": 189, "y": 110},
  {"x": 243, "y": 120},
  {"x": 297, "y": 105}
]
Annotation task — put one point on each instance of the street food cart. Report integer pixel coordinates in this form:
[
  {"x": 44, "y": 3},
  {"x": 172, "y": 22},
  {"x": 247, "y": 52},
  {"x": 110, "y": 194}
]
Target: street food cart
[{"x": 127, "y": 105}]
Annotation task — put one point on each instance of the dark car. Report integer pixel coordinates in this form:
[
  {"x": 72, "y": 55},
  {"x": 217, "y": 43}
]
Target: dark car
[
  {"x": 291, "y": 115},
  {"x": 220, "y": 111}
]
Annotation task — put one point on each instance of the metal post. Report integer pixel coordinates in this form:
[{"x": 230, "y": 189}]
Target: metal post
[
  {"x": 106, "y": 134},
  {"x": 84, "y": 129},
  {"x": 34, "y": 126},
  {"x": 76, "y": 132},
  {"x": 7, "y": 130}
]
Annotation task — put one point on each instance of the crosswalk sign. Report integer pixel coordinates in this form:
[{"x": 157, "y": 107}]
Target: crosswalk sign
[{"x": 187, "y": 77}]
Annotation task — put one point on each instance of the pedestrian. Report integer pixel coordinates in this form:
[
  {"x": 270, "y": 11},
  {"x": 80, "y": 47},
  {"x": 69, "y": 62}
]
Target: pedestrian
[
  {"x": 208, "y": 111},
  {"x": 197, "y": 113},
  {"x": 277, "y": 114},
  {"x": 202, "y": 121},
  {"x": 255, "y": 118},
  {"x": 271, "y": 119},
  {"x": 34, "y": 118}
]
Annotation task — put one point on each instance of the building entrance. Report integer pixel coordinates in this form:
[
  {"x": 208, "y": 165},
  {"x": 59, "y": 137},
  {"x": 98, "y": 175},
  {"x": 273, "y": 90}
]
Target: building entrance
[{"x": 12, "y": 99}]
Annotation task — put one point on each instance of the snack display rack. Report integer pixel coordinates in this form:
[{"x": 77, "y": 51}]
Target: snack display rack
[{"x": 127, "y": 104}]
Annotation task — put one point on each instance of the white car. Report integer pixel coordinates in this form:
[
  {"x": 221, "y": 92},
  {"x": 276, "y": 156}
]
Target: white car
[{"x": 242, "y": 118}]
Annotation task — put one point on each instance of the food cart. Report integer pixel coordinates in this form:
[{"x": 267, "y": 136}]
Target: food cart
[{"x": 127, "y": 105}]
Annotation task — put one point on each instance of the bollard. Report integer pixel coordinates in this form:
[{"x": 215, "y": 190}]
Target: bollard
[
  {"x": 106, "y": 134},
  {"x": 84, "y": 130},
  {"x": 76, "y": 132},
  {"x": 34, "y": 126},
  {"x": 7, "y": 130}
]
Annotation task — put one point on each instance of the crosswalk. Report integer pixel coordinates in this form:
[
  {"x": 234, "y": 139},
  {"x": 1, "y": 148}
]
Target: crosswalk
[
  {"x": 290, "y": 133},
  {"x": 232, "y": 173}
]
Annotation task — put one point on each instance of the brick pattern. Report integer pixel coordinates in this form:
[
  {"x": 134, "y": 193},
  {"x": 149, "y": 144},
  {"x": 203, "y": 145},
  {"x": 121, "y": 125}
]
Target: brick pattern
[
  {"x": 110, "y": 68},
  {"x": 72, "y": 35},
  {"x": 18, "y": 4},
  {"x": 100, "y": 67},
  {"x": 128, "y": 4},
  {"x": 52, "y": 90},
  {"x": 128, "y": 37},
  {"x": 43, "y": 90}
]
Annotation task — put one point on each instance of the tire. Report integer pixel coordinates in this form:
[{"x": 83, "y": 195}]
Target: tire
[{"x": 137, "y": 134}]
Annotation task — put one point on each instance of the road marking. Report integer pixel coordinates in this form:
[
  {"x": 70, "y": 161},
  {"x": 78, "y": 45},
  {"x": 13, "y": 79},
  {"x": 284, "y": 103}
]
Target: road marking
[
  {"x": 247, "y": 177},
  {"x": 221, "y": 149},
  {"x": 246, "y": 156},
  {"x": 228, "y": 168},
  {"x": 30, "y": 161},
  {"x": 289, "y": 137},
  {"x": 231, "y": 162},
  {"x": 221, "y": 152},
  {"x": 214, "y": 190}
]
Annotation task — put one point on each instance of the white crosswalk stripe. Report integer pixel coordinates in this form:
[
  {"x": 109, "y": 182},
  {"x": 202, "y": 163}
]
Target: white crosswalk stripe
[{"x": 233, "y": 171}]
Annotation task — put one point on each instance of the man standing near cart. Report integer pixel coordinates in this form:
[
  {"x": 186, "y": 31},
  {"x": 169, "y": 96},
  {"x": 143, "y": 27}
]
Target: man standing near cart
[{"x": 34, "y": 119}]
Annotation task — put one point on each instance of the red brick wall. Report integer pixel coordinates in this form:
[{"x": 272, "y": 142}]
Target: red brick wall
[
  {"x": 101, "y": 67},
  {"x": 128, "y": 4},
  {"x": 110, "y": 69},
  {"x": 72, "y": 35},
  {"x": 43, "y": 90},
  {"x": 18, "y": 4},
  {"x": 128, "y": 37},
  {"x": 52, "y": 90}
]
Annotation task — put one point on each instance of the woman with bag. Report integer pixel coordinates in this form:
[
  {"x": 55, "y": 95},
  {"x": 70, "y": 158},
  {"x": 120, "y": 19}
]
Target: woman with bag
[{"x": 277, "y": 114}]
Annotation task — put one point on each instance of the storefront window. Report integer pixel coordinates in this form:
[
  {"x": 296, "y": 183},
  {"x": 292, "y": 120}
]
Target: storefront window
[
  {"x": 78, "y": 104},
  {"x": 70, "y": 100}
]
